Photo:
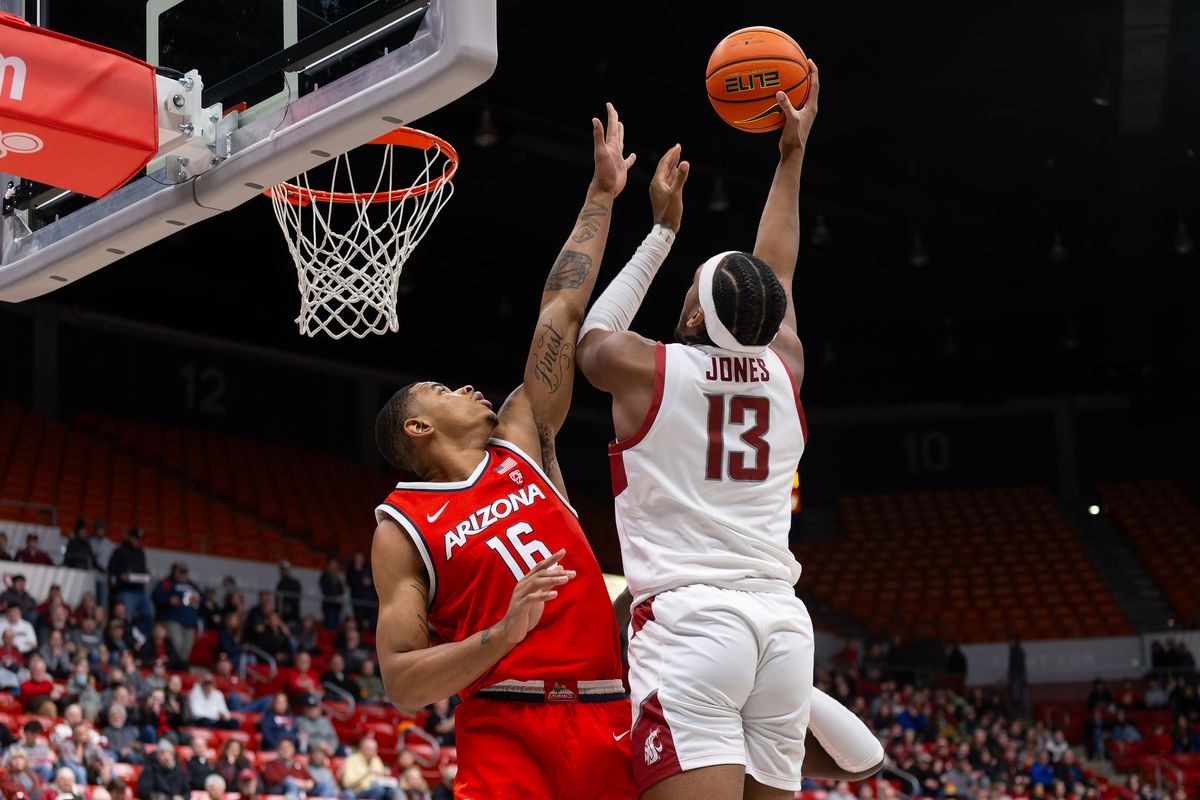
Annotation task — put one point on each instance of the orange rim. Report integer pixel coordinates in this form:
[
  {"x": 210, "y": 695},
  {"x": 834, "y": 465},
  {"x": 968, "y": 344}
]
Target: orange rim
[{"x": 400, "y": 137}]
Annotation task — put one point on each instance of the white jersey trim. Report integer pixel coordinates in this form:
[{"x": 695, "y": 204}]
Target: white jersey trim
[
  {"x": 525, "y": 456},
  {"x": 446, "y": 486},
  {"x": 397, "y": 516}
]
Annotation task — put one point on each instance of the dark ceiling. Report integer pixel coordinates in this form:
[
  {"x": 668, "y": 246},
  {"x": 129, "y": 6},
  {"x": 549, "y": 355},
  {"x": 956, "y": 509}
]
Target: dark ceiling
[{"x": 936, "y": 119}]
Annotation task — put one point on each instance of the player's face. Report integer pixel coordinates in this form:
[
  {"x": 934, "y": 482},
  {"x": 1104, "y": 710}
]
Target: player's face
[
  {"x": 690, "y": 322},
  {"x": 458, "y": 410}
]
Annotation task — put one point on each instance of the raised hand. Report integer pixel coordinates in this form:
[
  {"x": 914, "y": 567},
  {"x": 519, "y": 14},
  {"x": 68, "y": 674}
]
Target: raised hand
[
  {"x": 666, "y": 188},
  {"x": 612, "y": 165},
  {"x": 797, "y": 123},
  {"x": 529, "y": 598}
]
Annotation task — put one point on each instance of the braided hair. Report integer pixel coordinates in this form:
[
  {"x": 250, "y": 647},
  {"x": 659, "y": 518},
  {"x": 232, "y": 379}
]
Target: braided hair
[{"x": 750, "y": 300}]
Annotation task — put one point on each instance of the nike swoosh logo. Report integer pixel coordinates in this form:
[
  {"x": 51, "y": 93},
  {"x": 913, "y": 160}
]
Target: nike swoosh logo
[
  {"x": 433, "y": 517},
  {"x": 619, "y": 738}
]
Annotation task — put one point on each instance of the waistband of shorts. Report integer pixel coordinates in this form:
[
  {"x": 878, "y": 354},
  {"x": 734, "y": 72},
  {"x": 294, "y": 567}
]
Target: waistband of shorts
[{"x": 555, "y": 691}]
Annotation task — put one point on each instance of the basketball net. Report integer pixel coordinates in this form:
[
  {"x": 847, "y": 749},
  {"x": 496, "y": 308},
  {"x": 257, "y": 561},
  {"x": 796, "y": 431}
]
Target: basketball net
[{"x": 348, "y": 263}]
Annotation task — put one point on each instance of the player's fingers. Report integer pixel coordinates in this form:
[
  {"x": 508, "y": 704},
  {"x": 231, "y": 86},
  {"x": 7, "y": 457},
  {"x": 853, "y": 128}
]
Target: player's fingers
[
  {"x": 546, "y": 563},
  {"x": 814, "y": 86},
  {"x": 597, "y": 133},
  {"x": 681, "y": 176},
  {"x": 629, "y": 161},
  {"x": 613, "y": 119},
  {"x": 541, "y": 597},
  {"x": 785, "y": 103}
]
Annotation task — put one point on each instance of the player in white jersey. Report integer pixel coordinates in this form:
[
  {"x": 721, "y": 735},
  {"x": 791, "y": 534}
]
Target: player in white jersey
[{"x": 709, "y": 434}]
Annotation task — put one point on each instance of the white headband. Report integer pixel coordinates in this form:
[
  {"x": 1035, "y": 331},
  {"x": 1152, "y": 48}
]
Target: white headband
[{"x": 720, "y": 335}]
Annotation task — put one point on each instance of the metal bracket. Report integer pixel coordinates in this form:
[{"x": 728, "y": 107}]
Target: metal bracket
[{"x": 16, "y": 194}]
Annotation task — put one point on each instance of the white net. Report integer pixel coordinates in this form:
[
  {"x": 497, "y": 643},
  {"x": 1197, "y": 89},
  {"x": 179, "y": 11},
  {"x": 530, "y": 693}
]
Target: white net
[{"x": 349, "y": 254}]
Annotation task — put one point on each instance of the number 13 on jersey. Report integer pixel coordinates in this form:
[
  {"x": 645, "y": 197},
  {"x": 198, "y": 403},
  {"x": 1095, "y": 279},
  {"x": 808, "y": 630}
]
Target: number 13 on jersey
[{"x": 740, "y": 407}]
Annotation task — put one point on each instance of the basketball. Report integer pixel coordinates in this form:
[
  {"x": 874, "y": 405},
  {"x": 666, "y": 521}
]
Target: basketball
[{"x": 745, "y": 71}]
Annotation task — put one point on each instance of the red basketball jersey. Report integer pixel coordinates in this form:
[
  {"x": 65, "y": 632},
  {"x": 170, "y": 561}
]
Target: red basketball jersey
[{"x": 479, "y": 536}]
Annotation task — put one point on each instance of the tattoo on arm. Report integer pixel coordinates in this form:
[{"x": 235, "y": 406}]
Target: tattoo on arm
[
  {"x": 546, "y": 439},
  {"x": 589, "y": 221},
  {"x": 553, "y": 357},
  {"x": 421, "y": 590},
  {"x": 570, "y": 271},
  {"x": 483, "y": 639}
]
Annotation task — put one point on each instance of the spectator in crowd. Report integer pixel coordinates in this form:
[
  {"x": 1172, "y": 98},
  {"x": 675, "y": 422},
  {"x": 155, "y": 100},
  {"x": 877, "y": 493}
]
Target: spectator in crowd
[
  {"x": 54, "y": 653},
  {"x": 200, "y": 766},
  {"x": 32, "y": 554},
  {"x": 333, "y": 589},
  {"x": 278, "y": 723},
  {"x": 163, "y": 777},
  {"x": 214, "y": 787},
  {"x": 306, "y": 635},
  {"x": 16, "y": 595},
  {"x": 229, "y": 641},
  {"x": 1056, "y": 745},
  {"x": 232, "y": 761},
  {"x": 117, "y": 639},
  {"x": 238, "y": 696},
  {"x": 102, "y": 793},
  {"x": 273, "y": 637},
  {"x": 1100, "y": 697},
  {"x": 159, "y": 649},
  {"x": 177, "y": 605},
  {"x": 313, "y": 728},
  {"x": 70, "y": 742},
  {"x": 257, "y": 616},
  {"x": 207, "y": 705},
  {"x": 370, "y": 684},
  {"x": 364, "y": 601},
  {"x": 336, "y": 676},
  {"x": 85, "y": 640},
  {"x": 247, "y": 784},
  {"x": 322, "y": 773},
  {"x": 287, "y": 594},
  {"x": 412, "y": 785},
  {"x": 440, "y": 722},
  {"x": 1095, "y": 734},
  {"x": 210, "y": 610},
  {"x": 37, "y": 750},
  {"x": 18, "y": 777},
  {"x": 122, "y": 737},
  {"x": 65, "y": 785},
  {"x": 11, "y": 657},
  {"x": 956, "y": 660},
  {"x": 78, "y": 552},
  {"x": 840, "y": 792},
  {"x": 285, "y": 775},
  {"x": 1018, "y": 675},
  {"x": 39, "y": 692},
  {"x": 23, "y": 635},
  {"x": 1157, "y": 695},
  {"x": 348, "y": 624},
  {"x": 56, "y": 618},
  {"x": 1127, "y": 697},
  {"x": 303, "y": 680},
  {"x": 445, "y": 789},
  {"x": 175, "y": 704},
  {"x": 1183, "y": 739},
  {"x": 4, "y": 554},
  {"x": 129, "y": 576},
  {"x": 365, "y": 776},
  {"x": 355, "y": 652},
  {"x": 1123, "y": 729},
  {"x": 1184, "y": 700},
  {"x": 103, "y": 547}
]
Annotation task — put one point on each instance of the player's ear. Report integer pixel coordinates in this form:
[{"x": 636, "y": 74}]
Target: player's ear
[
  {"x": 417, "y": 427},
  {"x": 695, "y": 320}
]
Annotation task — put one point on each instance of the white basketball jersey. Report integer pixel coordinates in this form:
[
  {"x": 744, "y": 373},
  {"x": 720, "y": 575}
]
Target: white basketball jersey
[{"x": 703, "y": 488}]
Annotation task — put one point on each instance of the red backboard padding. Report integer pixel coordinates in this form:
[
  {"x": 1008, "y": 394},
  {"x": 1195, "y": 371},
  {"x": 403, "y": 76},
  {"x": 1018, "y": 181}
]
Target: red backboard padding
[{"x": 73, "y": 114}]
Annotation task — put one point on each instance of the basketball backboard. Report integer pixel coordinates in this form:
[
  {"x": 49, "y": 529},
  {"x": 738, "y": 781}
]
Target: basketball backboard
[{"x": 296, "y": 81}]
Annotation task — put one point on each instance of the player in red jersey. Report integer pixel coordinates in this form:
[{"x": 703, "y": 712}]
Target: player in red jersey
[{"x": 488, "y": 552}]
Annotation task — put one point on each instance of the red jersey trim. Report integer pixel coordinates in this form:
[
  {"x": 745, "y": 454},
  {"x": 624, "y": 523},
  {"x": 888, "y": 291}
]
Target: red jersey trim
[
  {"x": 521, "y": 454},
  {"x": 660, "y": 379},
  {"x": 418, "y": 540},
  {"x": 795, "y": 394}
]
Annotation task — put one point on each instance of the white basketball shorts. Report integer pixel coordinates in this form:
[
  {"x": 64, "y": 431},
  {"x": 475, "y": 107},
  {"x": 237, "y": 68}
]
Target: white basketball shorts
[{"x": 720, "y": 676}]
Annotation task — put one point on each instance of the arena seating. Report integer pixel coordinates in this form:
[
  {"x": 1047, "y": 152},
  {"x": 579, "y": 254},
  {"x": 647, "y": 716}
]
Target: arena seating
[
  {"x": 1159, "y": 521},
  {"x": 975, "y": 566}
]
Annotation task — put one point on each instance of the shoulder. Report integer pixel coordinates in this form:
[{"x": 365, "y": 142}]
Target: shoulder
[
  {"x": 790, "y": 350},
  {"x": 618, "y": 352}
]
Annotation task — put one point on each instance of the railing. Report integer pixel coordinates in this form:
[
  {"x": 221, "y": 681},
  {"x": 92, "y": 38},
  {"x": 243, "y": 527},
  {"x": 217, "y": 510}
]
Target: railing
[
  {"x": 267, "y": 658},
  {"x": 53, "y": 510},
  {"x": 436, "y": 746},
  {"x": 1162, "y": 764},
  {"x": 345, "y": 696},
  {"x": 891, "y": 769}
]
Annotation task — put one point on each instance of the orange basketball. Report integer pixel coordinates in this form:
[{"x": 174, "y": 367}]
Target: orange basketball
[{"x": 746, "y": 70}]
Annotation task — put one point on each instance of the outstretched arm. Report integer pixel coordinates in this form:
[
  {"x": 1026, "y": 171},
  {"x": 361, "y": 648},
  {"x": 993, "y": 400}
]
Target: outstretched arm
[
  {"x": 778, "y": 242},
  {"x": 610, "y": 355},
  {"x": 533, "y": 414}
]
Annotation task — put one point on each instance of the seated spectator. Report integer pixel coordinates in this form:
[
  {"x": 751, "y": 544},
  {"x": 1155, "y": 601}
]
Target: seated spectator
[
  {"x": 159, "y": 648},
  {"x": 207, "y": 705},
  {"x": 1095, "y": 735},
  {"x": 229, "y": 641},
  {"x": 214, "y": 787},
  {"x": 154, "y": 719},
  {"x": 1183, "y": 739},
  {"x": 1157, "y": 695},
  {"x": 365, "y": 776},
  {"x": 16, "y": 595},
  {"x": 66, "y": 786},
  {"x": 440, "y": 722},
  {"x": 32, "y": 554},
  {"x": 71, "y": 740},
  {"x": 131, "y": 675},
  {"x": 1100, "y": 697},
  {"x": 371, "y": 685},
  {"x": 336, "y": 675},
  {"x": 18, "y": 777},
  {"x": 1123, "y": 729},
  {"x": 247, "y": 784},
  {"x": 210, "y": 610},
  {"x": 200, "y": 766},
  {"x": 1068, "y": 771},
  {"x": 237, "y": 694},
  {"x": 1058, "y": 745},
  {"x": 54, "y": 653},
  {"x": 56, "y": 618},
  {"x": 285, "y": 775},
  {"x": 321, "y": 771},
  {"x": 232, "y": 761},
  {"x": 39, "y": 687},
  {"x": 11, "y": 658},
  {"x": 122, "y": 737},
  {"x": 38, "y": 755},
  {"x": 24, "y": 636},
  {"x": 303, "y": 680},
  {"x": 118, "y": 639},
  {"x": 306, "y": 634},
  {"x": 1127, "y": 698},
  {"x": 412, "y": 785},
  {"x": 162, "y": 776},
  {"x": 278, "y": 723},
  {"x": 86, "y": 639},
  {"x": 273, "y": 637},
  {"x": 257, "y": 616},
  {"x": 314, "y": 728},
  {"x": 355, "y": 652},
  {"x": 840, "y": 792}
]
